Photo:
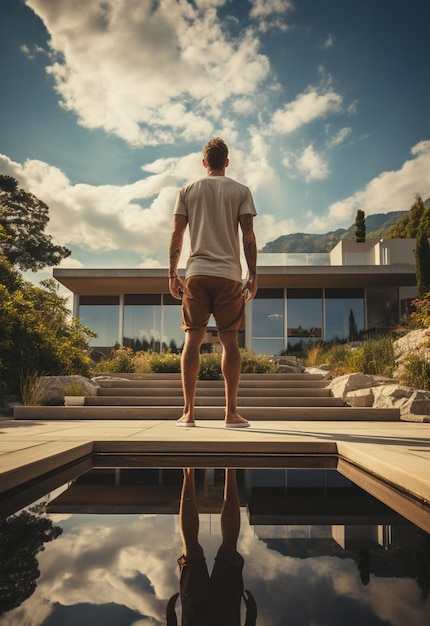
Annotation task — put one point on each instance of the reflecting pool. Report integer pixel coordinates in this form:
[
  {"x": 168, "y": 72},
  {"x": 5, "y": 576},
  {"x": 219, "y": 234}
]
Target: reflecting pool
[{"x": 146, "y": 546}]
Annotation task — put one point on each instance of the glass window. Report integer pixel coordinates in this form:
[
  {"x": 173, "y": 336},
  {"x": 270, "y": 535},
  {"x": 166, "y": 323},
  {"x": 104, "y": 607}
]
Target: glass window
[
  {"x": 173, "y": 335},
  {"x": 304, "y": 313},
  {"x": 382, "y": 308},
  {"x": 142, "y": 321},
  {"x": 269, "y": 347},
  {"x": 406, "y": 295},
  {"x": 268, "y": 313},
  {"x": 344, "y": 314},
  {"x": 268, "y": 322},
  {"x": 101, "y": 314}
]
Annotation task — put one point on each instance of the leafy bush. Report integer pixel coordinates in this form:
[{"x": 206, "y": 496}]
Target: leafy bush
[
  {"x": 210, "y": 366},
  {"x": 420, "y": 318},
  {"x": 166, "y": 362},
  {"x": 337, "y": 356},
  {"x": 37, "y": 330},
  {"x": 256, "y": 364},
  {"x": 120, "y": 360},
  {"x": 75, "y": 388},
  {"x": 378, "y": 356},
  {"x": 142, "y": 362},
  {"x": 415, "y": 372},
  {"x": 373, "y": 356}
]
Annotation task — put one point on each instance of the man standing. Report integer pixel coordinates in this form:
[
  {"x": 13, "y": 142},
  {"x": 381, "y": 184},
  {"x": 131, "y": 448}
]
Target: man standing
[{"x": 213, "y": 207}]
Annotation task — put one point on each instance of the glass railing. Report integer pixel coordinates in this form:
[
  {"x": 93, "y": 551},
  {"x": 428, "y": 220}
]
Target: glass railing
[{"x": 288, "y": 258}]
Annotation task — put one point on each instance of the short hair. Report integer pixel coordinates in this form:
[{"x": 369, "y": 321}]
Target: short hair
[{"x": 215, "y": 153}]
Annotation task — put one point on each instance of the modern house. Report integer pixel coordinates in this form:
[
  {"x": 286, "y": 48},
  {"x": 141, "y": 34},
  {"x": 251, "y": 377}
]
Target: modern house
[{"x": 356, "y": 289}]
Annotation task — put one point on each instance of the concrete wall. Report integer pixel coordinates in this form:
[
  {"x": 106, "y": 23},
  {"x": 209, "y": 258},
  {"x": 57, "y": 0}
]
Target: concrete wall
[{"x": 373, "y": 252}]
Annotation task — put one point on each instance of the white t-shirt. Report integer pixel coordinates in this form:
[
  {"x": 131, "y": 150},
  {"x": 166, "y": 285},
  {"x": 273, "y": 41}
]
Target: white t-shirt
[{"x": 213, "y": 205}]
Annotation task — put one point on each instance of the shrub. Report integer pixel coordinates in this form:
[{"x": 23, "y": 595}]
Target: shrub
[
  {"x": 210, "y": 366},
  {"x": 373, "y": 356},
  {"x": 415, "y": 372},
  {"x": 336, "y": 357},
  {"x": 256, "y": 363},
  {"x": 32, "y": 388},
  {"x": 420, "y": 318},
  {"x": 166, "y": 362},
  {"x": 121, "y": 360},
  {"x": 142, "y": 362},
  {"x": 378, "y": 356},
  {"x": 37, "y": 330},
  {"x": 314, "y": 354},
  {"x": 75, "y": 388}
]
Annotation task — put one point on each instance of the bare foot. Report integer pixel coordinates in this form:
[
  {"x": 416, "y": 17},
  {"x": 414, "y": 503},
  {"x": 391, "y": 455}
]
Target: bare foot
[
  {"x": 235, "y": 418},
  {"x": 185, "y": 420}
]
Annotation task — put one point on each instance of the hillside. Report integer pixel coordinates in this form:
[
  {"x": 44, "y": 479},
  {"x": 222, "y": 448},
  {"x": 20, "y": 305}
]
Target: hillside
[{"x": 377, "y": 226}]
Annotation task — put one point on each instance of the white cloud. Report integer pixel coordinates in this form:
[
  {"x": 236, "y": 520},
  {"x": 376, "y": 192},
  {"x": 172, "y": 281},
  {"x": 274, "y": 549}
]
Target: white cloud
[
  {"x": 312, "y": 165},
  {"x": 328, "y": 41},
  {"x": 269, "y": 13},
  {"x": 134, "y": 217},
  {"x": 339, "y": 137},
  {"x": 306, "y": 108},
  {"x": 147, "y": 72},
  {"x": 390, "y": 191},
  {"x": 269, "y": 227}
]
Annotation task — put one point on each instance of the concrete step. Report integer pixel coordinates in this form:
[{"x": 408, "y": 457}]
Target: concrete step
[
  {"x": 246, "y": 380},
  {"x": 157, "y": 383},
  {"x": 261, "y": 397},
  {"x": 177, "y": 376},
  {"x": 256, "y": 414},
  {"x": 213, "y": 401},
  {"x": 214, "y": 392}
]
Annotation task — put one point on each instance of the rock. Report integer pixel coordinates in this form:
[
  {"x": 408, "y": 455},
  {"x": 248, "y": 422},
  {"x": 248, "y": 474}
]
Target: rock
[
  {"x": 288, "y": 365},
  {"x": 416, "y": 340},
  {"x": 410, "y": 402},
  {"x": 326, "y": 374},
  {"x": 289, "y": 369},
  {"x": 54, "y": 388},
  {"x": 342, "y": 385},
  {"x": 360, "y": 397}
]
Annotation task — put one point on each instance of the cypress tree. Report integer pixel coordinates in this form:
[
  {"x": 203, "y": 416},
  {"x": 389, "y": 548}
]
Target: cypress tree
[
  {"x": 360, "y": 227},
  {"x": 422, "y": 258}
]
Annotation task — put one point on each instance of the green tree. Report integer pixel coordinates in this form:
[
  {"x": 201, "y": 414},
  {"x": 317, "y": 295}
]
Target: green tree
[
  {"x": 425, "y": 221},
  {"x": 360, "y": 226},
  {"x": 23, "y": 220},
  {"x": 37, "y": 331},
  {"x": 22, "y": 537},
  {"x": 422, "y": 258},
  {"x": 408, "y": 225}
]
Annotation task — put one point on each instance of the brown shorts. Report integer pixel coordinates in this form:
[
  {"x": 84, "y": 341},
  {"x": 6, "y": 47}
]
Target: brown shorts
[{"x": 204, "y": 295}]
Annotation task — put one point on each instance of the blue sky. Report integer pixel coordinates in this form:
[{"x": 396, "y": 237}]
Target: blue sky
[{"x": 106, "y": 105}]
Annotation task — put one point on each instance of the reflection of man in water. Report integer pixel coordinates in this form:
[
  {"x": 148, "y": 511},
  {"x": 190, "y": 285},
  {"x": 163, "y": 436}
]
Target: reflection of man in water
[{"x": 211, "y": 600}]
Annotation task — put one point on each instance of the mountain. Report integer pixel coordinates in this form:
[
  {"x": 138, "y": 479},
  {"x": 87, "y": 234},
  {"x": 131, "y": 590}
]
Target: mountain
[{"x": 377, "y": 226}]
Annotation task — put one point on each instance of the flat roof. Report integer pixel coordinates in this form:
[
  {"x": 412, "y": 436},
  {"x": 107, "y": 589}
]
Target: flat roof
[{"x": 149, "y": 280}]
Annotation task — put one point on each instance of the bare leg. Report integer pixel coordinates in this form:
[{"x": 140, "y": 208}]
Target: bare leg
[
  {"x": 230, "y": 365},
  {"x": 190, "y": 365},
  {"x": 189, "y": 517},
  {"x": 230, "y": 512}
]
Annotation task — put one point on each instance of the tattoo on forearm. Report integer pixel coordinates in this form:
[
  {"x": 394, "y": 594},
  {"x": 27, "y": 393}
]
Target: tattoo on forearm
[
  {"x": 250, "y": 250},
  {"x": 174, "y": 255},
  {"x": 249, "y": 243},
  {"x": 246, "y": 222}
]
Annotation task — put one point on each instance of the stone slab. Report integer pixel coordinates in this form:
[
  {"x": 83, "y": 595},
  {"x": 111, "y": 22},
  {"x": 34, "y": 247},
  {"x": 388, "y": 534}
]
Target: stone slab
[{"x": 263, "y": 413}]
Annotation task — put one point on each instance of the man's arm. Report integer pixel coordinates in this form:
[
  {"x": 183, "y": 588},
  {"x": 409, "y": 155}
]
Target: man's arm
[
  {"x": 250, "y": 249},
  {"x": 179, "y": 226}
]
